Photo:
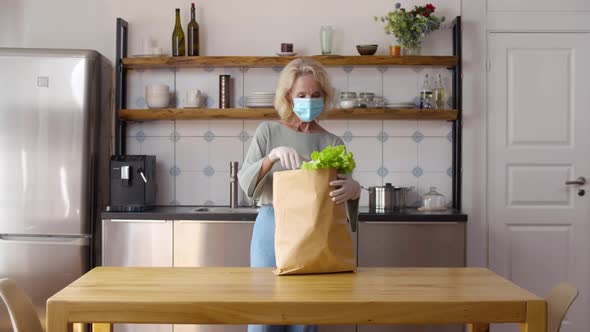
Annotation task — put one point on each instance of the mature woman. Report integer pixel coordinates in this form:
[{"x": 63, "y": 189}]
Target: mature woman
[{"x": 303, "y": 93}]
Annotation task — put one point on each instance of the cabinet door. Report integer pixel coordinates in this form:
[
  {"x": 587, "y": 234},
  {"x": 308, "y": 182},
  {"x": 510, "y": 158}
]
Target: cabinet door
[
  {"x": 411, "y": 244},
  {"x": 212, "y": 243},
  {"x": 137, "y": 243}
]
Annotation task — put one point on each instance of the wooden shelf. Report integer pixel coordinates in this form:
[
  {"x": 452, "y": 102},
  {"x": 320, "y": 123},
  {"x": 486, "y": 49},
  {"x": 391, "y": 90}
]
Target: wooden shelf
[
  {"x": 271, "y": 61},
  {"x": 269, "y": 113}
]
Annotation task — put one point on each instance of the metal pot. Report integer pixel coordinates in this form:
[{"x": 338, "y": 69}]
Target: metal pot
[{"x": 387, "y": 198}]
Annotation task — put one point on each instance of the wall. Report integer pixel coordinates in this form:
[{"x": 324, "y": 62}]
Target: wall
[{"x": 193, "y": 155}]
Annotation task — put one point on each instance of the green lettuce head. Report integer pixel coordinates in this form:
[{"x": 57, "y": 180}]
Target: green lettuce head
[{"x": 331, "y": 157}]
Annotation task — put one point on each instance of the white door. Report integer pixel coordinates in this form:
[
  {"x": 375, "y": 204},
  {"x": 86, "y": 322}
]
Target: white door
[{"x": 539, "y": 138}]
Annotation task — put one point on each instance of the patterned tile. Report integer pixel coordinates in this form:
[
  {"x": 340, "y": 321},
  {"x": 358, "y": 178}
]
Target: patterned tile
[
  {"x": 209, "y": 171},
  {"x": 365, "y": 128},
  {"x": 244, "y": 136},
  {"x": 365, "y": 80},
  {"x": 418, "y": 171},
  {"x": 400, "y": 128},
  {"x": 140, "y": 136},
  {"x": 174, "y": 171},
  {"x": 417, "y": 137},
  {"x": 382, "y": 136},
  {"x": 347, "y": 69},
  {"x": 347, "y": 136},
  {"x": 174, "y": 136},
  {"x": 164, "y": 188},
  {"x": 434, "y": 128},
  {"x": 400, "y": 85},
  {"x": 209, "y": 136},
  {"x": 450, "y": 171},
  {"x": 382, "y": 172}
]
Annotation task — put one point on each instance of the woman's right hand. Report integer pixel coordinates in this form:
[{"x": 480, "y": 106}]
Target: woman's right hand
[{"x": 288, "y": 157}]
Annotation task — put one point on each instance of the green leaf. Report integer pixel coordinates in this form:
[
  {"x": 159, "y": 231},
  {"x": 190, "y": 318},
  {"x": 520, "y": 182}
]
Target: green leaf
[{"x": 331, "y": 157}]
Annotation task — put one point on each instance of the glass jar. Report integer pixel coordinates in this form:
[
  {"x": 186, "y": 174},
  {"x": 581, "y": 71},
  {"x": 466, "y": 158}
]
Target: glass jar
[
  {"x": 434, "y": 200},
  {"x": 348, "y": 100},
  {"x": 366, "y": 100}
]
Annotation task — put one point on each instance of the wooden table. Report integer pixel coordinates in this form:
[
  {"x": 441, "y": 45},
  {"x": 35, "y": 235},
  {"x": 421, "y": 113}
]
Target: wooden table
[{"x": 473, "y": 296}]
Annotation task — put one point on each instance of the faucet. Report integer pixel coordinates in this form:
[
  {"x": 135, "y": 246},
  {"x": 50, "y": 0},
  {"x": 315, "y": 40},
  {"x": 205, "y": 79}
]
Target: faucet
[{"x": 233, "y": 184}]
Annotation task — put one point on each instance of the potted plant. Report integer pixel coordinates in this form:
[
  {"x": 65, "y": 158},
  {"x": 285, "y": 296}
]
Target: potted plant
[{"x": 409, "y": 27}]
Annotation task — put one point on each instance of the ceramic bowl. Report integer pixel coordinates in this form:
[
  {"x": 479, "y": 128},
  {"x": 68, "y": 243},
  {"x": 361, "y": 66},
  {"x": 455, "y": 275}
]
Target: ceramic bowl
[
  {"x": 366, "y": 49},
  {"x": 157, "y": 88},
  {"x": 157, "y": 100}
]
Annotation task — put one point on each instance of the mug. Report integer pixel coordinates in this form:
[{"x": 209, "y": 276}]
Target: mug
[
  {"x": 286, "y": 47},
  {"x": 193, "y": 98}
]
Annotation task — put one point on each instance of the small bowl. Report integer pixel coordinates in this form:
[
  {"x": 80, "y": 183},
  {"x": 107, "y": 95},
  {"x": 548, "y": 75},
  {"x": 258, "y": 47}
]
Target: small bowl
[
  {"x": 159, "y": 101},
  {"x": 366, "y": 49},
  {"x": 157, "y": 88}
]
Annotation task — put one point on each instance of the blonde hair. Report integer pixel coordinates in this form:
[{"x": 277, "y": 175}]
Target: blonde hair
[{"x": 293, "y": 70}]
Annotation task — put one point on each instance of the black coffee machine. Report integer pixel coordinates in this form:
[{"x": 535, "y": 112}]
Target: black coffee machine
[{"x": 133, "y": 183}]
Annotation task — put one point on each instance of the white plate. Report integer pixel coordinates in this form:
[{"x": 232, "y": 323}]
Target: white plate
[
  {"x": 286, "y": 53},
  {"x": 263, "y": 93},
  {"x": 260, "y": 105},
  {"x": 147, "y": 55}
]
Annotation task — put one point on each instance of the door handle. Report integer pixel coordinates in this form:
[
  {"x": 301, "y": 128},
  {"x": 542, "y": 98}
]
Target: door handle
[{"x": 580, "y": 181}]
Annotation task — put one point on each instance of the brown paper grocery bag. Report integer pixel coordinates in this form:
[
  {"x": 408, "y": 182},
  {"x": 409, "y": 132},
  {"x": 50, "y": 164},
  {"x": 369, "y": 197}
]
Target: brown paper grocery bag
[{"x": 311, "y": 231}]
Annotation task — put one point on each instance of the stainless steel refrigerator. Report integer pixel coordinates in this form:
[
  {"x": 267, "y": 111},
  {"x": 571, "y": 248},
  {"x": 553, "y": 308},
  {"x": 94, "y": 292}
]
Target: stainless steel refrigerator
[{"x": 54, "y": 149}]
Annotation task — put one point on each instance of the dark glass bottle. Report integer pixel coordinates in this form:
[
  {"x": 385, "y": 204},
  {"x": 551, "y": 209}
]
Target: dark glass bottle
[
  {"x": 178, "y": 47},
  {"x": 192, "y": 31}
]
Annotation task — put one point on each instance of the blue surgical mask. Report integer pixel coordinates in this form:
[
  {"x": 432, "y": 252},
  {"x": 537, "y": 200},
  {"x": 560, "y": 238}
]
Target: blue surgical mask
[{"x": 307, "y": 109}]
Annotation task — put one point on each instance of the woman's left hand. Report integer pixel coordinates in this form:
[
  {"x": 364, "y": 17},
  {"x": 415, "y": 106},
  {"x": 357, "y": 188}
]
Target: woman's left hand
[{"x": 349, "y": 189}]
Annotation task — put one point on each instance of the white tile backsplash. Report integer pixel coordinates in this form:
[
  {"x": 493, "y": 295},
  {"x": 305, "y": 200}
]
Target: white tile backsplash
[
  {"x": 222, "y": 150},
  {"x": 204, "y": 148},
  {"x": 400, "y": 154},
  {"x": 336, "y": 127},
  {"x": 365, "y": 79},
  {"x": 434, "y": 154},
  {"x": 367, "y": 153},
  {"x": 229, "y": 128},
  {"x": 400, "y": 85},
  {"x": 192, "y": 127},
  {"x": 192, "y": 154},
  {"x": 434, "y": 128},
  {"x": 365, "y": 128},
  {"x": 260, "y": 80},
  {"x": 339, "y": 80},
  {"x": 219, "y": 188},
  {"x": 400, "y": 128},
  {"x": 250, "y": 126},
  {"x": 192, "y": 188},
  {"x": 164, "y": 187}
]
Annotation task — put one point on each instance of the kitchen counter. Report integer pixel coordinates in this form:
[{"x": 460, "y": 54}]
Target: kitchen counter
[{"x": 188, "y": 213}]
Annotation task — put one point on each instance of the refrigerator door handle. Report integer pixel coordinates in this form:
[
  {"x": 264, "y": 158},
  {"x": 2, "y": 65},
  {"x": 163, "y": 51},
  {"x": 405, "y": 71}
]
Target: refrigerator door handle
[{"x": 47, "y": 239}]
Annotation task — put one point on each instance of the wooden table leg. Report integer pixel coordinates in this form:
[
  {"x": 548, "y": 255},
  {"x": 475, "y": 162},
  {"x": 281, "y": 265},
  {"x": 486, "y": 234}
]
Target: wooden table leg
[
  {"x": 102, "y": 327},
  {"x": 57, "y": 318},
  {"x": 536, "y": 317},
  {"x": 478, "y": 327}
]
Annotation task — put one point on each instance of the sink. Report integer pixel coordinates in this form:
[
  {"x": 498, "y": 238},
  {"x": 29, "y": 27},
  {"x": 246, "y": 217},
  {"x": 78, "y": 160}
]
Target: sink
[{"x": 225, "y": 209}]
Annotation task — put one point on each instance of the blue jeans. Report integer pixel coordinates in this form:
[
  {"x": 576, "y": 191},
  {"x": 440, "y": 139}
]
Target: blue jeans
[{"x": 262, "y": 254}]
